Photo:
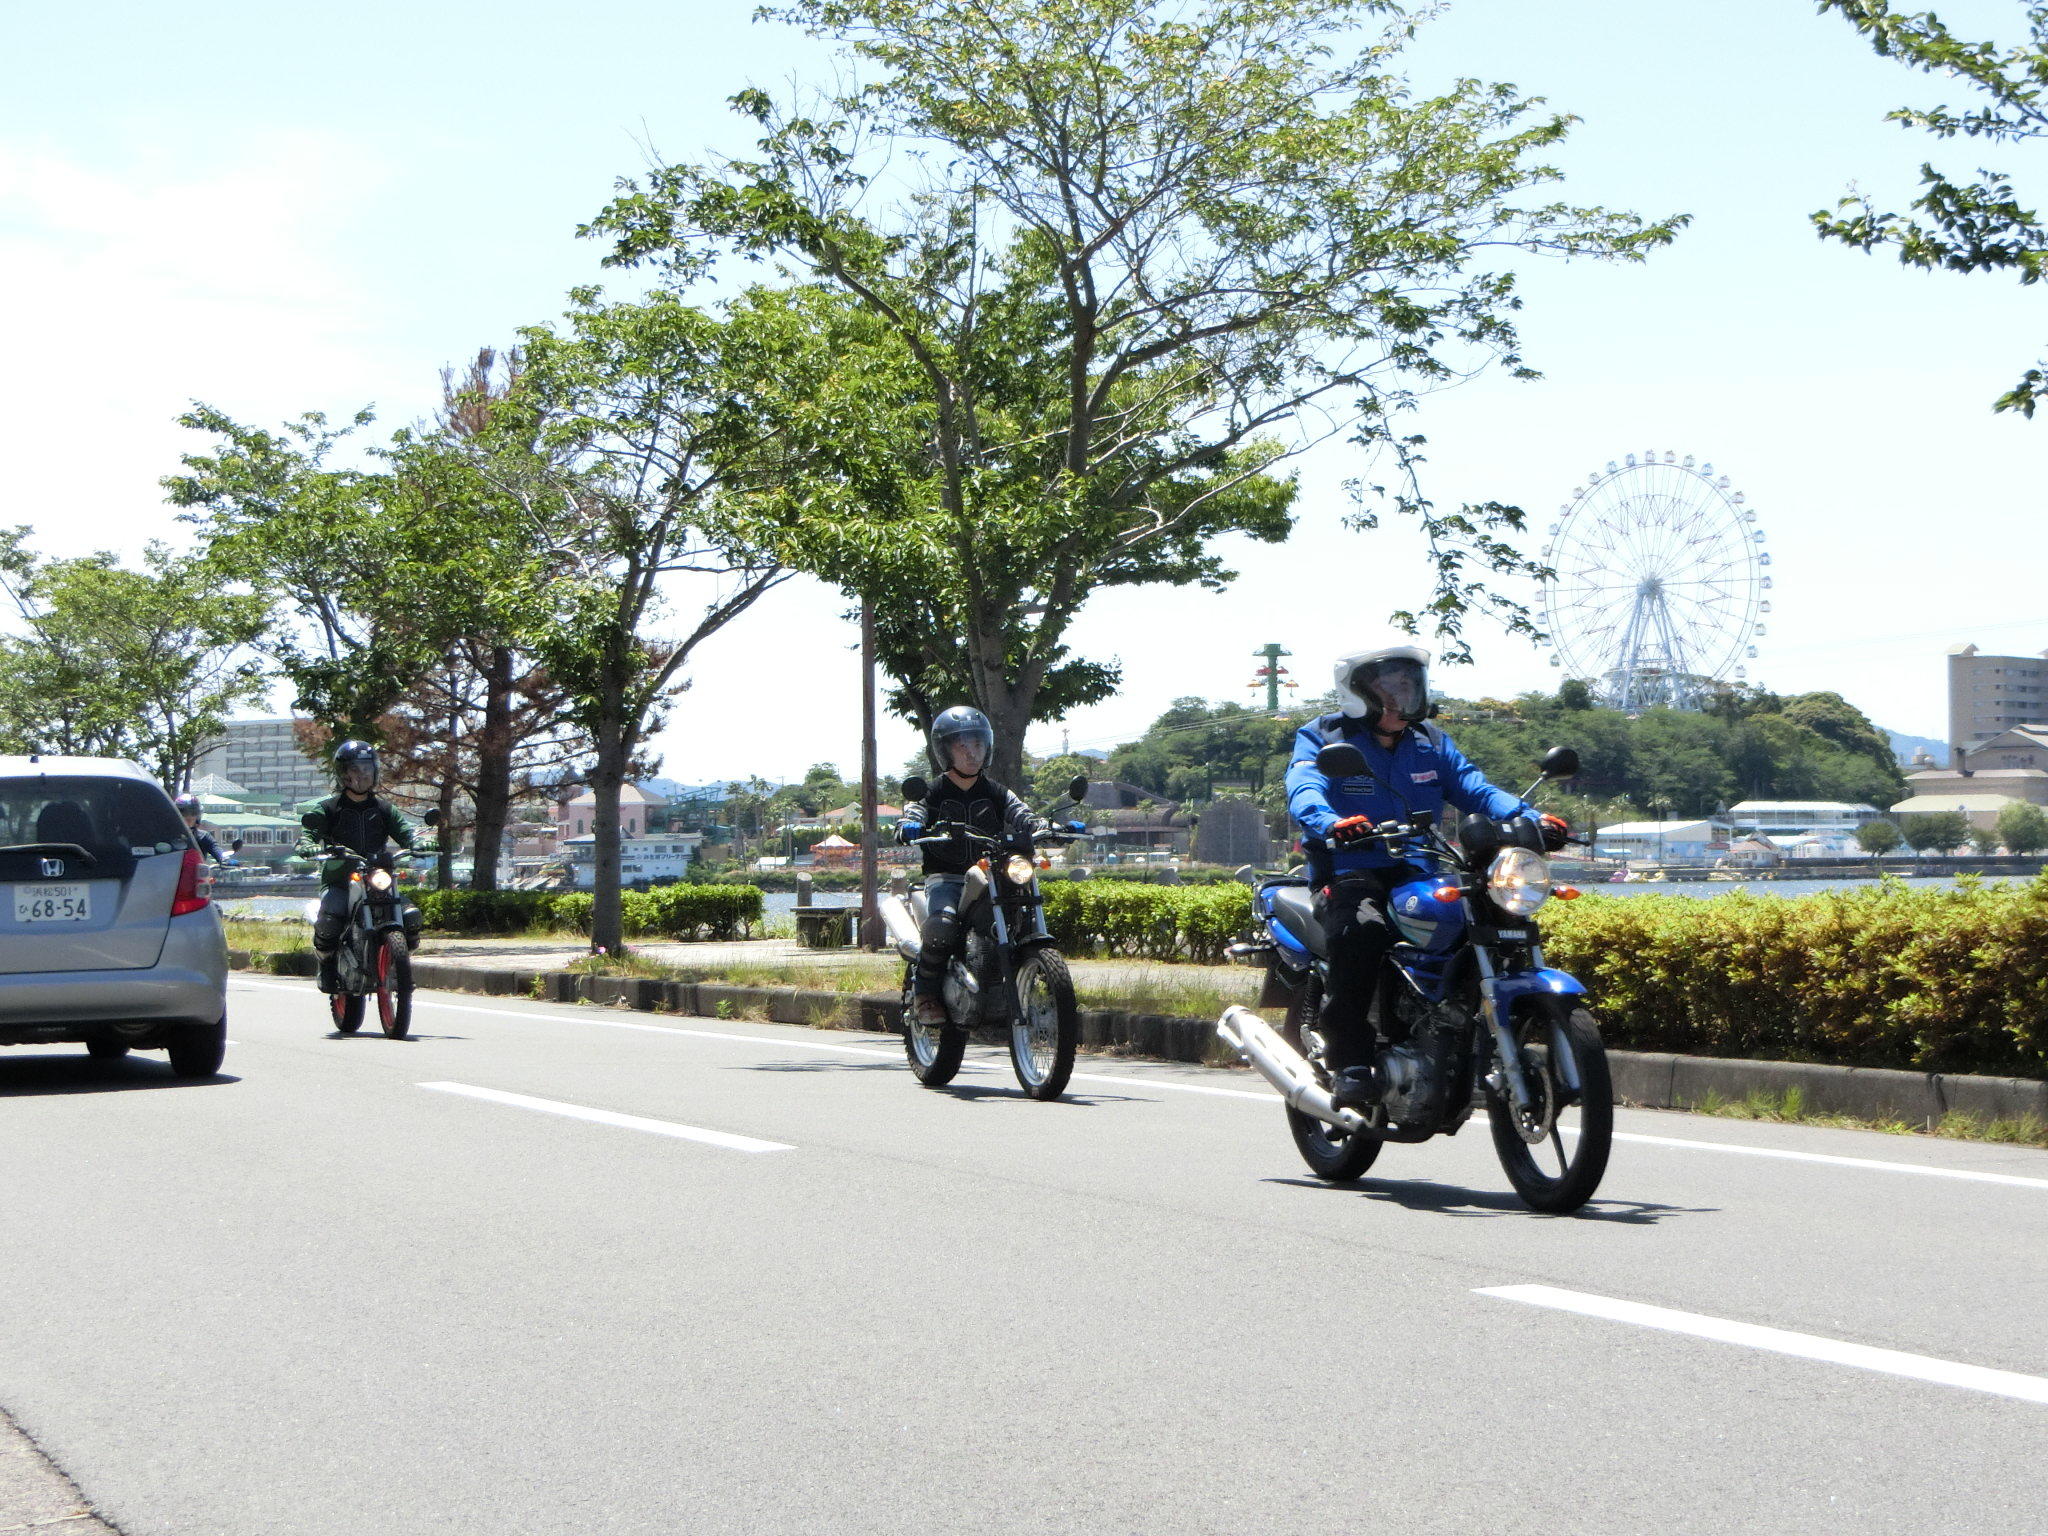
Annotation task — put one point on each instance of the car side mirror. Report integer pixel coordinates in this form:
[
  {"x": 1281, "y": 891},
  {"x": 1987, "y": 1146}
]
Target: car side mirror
[
  {"x": 1560, "y": 763},
  {"x": 915, "y": 788},
  {"x": 1077, "y": 788},
  {"x": 310, "y": 821},
  {"x": 1341, "y": 760},
  {"x": 433, "y": 817}
]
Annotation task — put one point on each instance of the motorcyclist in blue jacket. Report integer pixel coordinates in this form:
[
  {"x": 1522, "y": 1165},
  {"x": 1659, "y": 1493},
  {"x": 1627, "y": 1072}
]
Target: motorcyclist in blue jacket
[{"x": 1411, "y": 766}]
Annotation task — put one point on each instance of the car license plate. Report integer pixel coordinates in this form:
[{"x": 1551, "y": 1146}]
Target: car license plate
[{"x": 52, "y": 903}]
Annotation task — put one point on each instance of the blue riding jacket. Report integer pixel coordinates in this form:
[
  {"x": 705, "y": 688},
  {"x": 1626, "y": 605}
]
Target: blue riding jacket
[{"x": 1422, "y": 772}]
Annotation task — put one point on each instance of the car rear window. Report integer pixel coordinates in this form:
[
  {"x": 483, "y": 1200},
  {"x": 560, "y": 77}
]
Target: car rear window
[{"x": 116, "y": 820}]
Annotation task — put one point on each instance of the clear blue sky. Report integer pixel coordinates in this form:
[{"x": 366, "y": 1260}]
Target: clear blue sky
[{"x": 278, "y": 208}]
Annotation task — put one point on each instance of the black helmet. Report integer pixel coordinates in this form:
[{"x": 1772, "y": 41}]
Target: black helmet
[
  {"x": 188, "y": 805},
  {"x": 961, "y": 726},
  {"x": 355, "y": 754}
]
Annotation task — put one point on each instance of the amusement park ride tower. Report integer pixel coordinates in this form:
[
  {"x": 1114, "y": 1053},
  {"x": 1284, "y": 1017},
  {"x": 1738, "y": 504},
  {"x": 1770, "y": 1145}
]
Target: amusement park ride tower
[{"x": 1660, "y": 584}]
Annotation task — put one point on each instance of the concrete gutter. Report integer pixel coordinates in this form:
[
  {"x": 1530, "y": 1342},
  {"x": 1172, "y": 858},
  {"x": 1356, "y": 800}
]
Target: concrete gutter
[{"x": 1651, "y": 1079}]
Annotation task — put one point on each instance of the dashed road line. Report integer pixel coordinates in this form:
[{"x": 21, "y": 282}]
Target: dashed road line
[{"x": 710, "y": 1138}]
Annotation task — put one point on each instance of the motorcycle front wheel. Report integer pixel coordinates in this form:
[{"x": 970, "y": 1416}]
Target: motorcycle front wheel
[
  {"x": 347, "y": 1011},
  {"x": 394, "y": 985},
  {"x": 1046, "y": 1028},
  {"x": 934, "y": 1052},
  {"x": 1552, "y": 1167}
]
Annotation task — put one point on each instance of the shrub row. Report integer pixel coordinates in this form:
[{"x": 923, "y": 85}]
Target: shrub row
[
  {"x": 1139, "y": 921},
  {"x": 1882, "y": 976},
  {"x": 667, "y": 911}
]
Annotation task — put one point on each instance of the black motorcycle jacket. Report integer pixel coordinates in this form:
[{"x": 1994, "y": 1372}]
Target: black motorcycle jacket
[
  {"x": 984, "y": 806},
  {"x": 364, "y": 825}
]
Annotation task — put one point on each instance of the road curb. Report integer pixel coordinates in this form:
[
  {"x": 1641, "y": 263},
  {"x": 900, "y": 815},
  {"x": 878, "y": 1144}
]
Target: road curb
[{"x": 1649, "y": 1079}]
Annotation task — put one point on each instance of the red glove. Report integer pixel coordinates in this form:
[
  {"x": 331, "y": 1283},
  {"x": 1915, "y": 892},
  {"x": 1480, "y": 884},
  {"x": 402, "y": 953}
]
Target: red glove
[
  {"x": 1556, "y": 831},
  {"x": 1352, "y": 829}
]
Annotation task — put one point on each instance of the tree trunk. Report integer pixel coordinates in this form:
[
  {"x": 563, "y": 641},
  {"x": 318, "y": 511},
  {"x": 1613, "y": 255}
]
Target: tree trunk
[
  {"x": 607, "y": 777},
  {"x": 494, "y": 752},
  {"x": 444, "y": 862}
]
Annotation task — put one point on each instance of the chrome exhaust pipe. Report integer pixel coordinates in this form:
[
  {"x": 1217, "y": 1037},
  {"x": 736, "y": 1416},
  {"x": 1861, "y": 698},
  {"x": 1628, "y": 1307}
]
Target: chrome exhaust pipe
[
  {"x": 901, "y": 925},
  {"x": 1280, "y": 1064}
]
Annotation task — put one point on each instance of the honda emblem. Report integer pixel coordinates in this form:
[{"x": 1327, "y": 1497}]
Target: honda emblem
[{"x": 52, "y": 868}]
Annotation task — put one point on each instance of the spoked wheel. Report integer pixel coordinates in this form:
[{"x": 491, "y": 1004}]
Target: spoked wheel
[
  {"x": 394, "y": 985},
  {"x": 1556, "y": 1167},
  {"x": 347, "y": 1008},
  {"x": 934, "y": 1051},
  {"x": 1334, "y": 1156},
  {"x": 1047, "y": 1026}
]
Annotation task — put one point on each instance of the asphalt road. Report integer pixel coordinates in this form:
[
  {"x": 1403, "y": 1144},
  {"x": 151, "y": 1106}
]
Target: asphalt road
[{"x": 339, "y": 1292}]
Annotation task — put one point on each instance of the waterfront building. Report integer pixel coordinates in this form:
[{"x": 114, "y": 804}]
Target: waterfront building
[
  {"x": 262, "y": 758},
  {"x": 2010, "y": 764},
  {"x": 1819, "y": 827},
  {"x": 1663, "y": 842},
  {"x": 643, "y": 861},
  {"x": 1988, "y": 695},
  {"x": 1982, "y": 809}
]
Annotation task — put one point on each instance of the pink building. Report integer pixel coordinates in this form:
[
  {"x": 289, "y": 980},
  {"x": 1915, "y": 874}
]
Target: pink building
[{"x": 577, "y": 817}]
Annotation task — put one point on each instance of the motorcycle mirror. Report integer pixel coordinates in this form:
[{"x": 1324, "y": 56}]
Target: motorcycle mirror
[
  {"x": 1422, "y": 819},
  {"x": 1560, "y": 763},
  {"x": 310, "y": 821},
  {"x": 1341, "y": 760},
  {"x": 432, "y": 818},
  {"x": 915, "y": 788},
  {"x": 1077, "y": 788},
  {"x": 235, "y": 846},
  {"x": 1246, "y": 875}
]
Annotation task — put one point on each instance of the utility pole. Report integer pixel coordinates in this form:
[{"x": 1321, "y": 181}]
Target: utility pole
[
  {"x": 1270, "y": 675},
  {"x": 870, "y": 842}
]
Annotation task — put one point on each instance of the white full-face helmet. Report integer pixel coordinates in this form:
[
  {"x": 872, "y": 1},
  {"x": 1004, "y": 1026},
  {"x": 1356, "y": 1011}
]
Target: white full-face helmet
[{"x": 1391, "y": 676}]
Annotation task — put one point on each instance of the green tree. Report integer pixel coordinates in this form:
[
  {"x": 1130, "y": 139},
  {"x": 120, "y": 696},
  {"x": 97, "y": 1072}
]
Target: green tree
[
  {"x": 646, "y": 431},
  {"x": 145, "y": 664},
  {"x": 1878, "y": 838},
  {"x": 1973, "y": 223},
  {"x": 1935, "y": 831},
  {"x": 1147, "y": 251},
  {"x": 2023, "y": 828}
]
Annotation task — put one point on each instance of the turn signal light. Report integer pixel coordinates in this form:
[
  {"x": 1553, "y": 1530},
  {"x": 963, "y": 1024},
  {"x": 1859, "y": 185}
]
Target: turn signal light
[
  {"x": 1447, "y": 893},
  {"x": 1044, "y": 863},
  {"x": 1566, "y": 892}
]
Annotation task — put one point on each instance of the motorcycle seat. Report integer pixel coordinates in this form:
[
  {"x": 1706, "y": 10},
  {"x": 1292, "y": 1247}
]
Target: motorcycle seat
[{"x": 1294, "y": 910}]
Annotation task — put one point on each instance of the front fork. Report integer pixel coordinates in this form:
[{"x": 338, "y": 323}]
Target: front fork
[{"x": 1502, "y": 1027}]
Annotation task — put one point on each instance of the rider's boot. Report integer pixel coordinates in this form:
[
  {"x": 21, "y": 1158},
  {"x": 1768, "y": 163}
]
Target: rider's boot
[
  {"x": 1356, "y": 1088},
  {"x": 330, "y": 973},
  {"x": 930, "y": 1011}
]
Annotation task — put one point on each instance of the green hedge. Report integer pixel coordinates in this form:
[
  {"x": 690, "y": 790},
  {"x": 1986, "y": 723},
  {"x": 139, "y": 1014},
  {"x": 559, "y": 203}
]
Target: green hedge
[
  {"x": 667, "y": 911},
  {"x": 1136, "y": 920},
  {"x": 1881, "y": 976}
]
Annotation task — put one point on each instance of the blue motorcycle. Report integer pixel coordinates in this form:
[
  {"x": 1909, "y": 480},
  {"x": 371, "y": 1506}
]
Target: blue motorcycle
[{"x": 1465, "y": 1009}]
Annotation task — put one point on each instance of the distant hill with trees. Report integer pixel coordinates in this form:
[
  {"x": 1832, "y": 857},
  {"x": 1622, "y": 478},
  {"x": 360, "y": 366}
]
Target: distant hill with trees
[{"x": 1752, "y": 745}]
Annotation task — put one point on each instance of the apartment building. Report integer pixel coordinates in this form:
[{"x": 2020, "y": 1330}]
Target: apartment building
[
  {"x": 1989, "y": 695},
  {"x": 263, "y": 757}
]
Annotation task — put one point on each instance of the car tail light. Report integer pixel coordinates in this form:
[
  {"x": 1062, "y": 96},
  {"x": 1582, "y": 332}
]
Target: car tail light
[{"x": 192, "y": 884}]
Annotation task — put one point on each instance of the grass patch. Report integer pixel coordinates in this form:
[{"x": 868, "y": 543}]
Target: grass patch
[
  {"x": 1788, "y": 1107},
  {"x": 268, "y": 938}
]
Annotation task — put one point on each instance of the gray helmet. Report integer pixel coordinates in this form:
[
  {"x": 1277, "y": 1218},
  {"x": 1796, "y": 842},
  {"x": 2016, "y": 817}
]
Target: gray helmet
[
  {"x": 959, "y": 726},
  {"x": 355, "y": 754}
]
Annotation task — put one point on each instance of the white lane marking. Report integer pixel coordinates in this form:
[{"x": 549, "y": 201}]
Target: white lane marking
[
  {"x": 795, "y": 1045},
  {"x": 1809, "y": 1346},
  {"x": 1876, "y": 1165},
  {"x": 611, "y": 1117}
]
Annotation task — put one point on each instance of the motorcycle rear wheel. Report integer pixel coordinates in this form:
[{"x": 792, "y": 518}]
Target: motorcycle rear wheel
[
  {"x": 1331, "y": 1154},
  {"x": 934, "y": 1053},
  {"x": 1549, "y": 1175},
  {"x": 1046, "y": 1029}
]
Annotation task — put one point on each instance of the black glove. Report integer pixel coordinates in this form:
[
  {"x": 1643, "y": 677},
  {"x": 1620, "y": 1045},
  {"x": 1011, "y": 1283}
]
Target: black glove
[{"x": 1556, "y": 832}]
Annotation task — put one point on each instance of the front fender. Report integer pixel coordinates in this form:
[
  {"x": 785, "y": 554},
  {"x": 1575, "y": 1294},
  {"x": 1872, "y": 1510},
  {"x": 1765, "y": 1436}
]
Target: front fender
[{"x": 1506, "y": 991}]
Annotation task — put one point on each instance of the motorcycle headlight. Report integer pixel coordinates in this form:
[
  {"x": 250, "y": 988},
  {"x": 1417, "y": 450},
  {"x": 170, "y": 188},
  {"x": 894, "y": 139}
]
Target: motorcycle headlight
[
  {"x": 1018, "y": 870},
  {"x": 380, "y": 879},
  {"x": 1519, "y": 881}
]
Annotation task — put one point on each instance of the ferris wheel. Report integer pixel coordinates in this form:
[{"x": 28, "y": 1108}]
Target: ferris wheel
[{"x": 1661, "y": 585}]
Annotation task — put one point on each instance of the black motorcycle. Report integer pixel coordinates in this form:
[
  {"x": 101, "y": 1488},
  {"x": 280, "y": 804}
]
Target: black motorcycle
[
  {"x": 375, "y": 956},
  {"x": 1465, "y": 1008},
  {"x": 1008, "y": 971}
]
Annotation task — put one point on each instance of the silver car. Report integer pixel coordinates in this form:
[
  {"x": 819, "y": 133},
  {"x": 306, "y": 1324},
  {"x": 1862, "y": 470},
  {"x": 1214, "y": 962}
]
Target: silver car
[{"x": 108, "y": 934}]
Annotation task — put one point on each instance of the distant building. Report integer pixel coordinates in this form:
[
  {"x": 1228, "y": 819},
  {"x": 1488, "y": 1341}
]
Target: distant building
[
  {"x": 577, "y": 816},
  {"x": 656, "y": 860},
  {"x": 1666, "y": 842},
  {"x": 1982, "y": 810},
  {"x": 1125, "y": 821},
  {"x": 1988, "y": 695},
  {"x": 262, "y": 758},
  {"x": 1816, "y": 826},
  {"x": 2011, "y": 765}
]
